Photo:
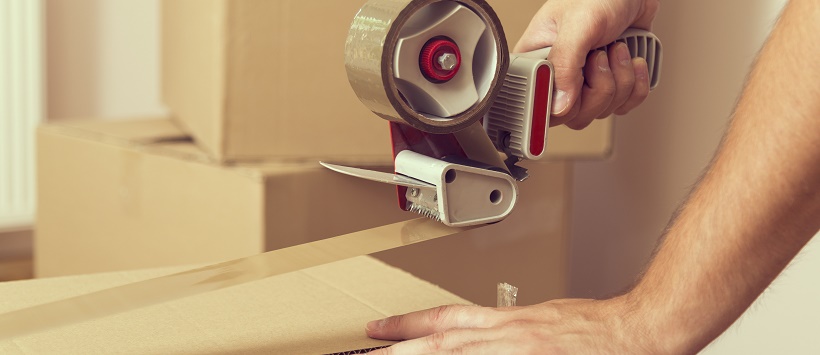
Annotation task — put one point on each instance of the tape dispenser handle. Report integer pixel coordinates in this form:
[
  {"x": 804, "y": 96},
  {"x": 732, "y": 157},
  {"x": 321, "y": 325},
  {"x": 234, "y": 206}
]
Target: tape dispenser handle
[
  {"x": 517, "y": 122},
  {"x": 641, "y": 43}
]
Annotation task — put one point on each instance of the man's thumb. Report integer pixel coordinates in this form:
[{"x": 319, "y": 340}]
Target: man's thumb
[{"x": 572, "y": 44}]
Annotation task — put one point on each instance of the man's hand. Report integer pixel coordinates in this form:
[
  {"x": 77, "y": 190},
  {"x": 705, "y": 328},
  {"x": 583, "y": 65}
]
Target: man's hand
[
  {"x": 615, "y": 83},
  {"x": 612, "y": 326},
  {"x": 754, "y": 209}
]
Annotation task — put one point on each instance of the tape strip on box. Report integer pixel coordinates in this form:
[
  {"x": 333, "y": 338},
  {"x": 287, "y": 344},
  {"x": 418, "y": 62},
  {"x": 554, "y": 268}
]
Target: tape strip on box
[{"x": 218, "y": 276}]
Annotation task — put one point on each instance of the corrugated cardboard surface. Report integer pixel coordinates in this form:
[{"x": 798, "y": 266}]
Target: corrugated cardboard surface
[
  {"x": 109, "y": 202},
  {"x": 314, "y": 311},
  {"x": 253, "y": 79}
]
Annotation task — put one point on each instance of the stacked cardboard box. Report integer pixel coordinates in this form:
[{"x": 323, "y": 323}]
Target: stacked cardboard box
[
  {"x": 260, "y": 79},
  {"x": 258, "y": 95}
]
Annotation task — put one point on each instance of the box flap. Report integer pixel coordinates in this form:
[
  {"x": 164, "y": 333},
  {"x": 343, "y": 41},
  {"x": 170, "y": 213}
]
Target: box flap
[
  {"x": 139, "y": 130},
  {"x": 157, "y": 135},
  {"x": 313, "y": 311}
]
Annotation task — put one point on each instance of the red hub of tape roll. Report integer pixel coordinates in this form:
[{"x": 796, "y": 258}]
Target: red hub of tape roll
[{"x": 440, "y": 60}]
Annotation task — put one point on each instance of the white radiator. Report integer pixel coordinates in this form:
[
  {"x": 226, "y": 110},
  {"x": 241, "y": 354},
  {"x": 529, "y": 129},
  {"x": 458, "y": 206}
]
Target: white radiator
[{"x": 21, "y": 107}]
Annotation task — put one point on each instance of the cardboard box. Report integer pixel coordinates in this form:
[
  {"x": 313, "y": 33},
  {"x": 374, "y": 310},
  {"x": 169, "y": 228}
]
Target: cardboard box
[
  {"x": 314, "y": 311},
  {"x": 257, "y": 79},
  {"x": 117, "y": 195}
]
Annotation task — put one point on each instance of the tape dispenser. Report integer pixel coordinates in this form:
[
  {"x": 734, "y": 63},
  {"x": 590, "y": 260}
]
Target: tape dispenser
[{"x": 463, "y": 111}]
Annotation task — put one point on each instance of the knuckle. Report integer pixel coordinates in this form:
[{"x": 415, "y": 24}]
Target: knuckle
[
  {"x": 436, "y": 341},
  {"x": 625, "y": 82},
  {"x": 439, "y": 314},
  {"x": 601, "y": 89},
  {"x": 393, "y": 323},
  {"x": 492, "y": 317},
  {"x": 569, "y": 79}
]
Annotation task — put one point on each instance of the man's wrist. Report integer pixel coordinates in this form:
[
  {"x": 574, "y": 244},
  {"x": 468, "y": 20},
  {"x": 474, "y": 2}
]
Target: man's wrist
[{"x": 651, "y": 325}]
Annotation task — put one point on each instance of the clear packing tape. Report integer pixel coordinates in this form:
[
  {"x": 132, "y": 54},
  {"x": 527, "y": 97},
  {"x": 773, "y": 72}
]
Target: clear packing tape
[{"x": 218, "y": 276}]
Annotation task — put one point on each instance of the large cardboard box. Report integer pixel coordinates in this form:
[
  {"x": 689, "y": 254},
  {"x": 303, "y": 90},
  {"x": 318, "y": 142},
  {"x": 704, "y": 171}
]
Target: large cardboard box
[
  {"x": 253, "y": 79},
  {"x": 117, "y": 195},
  {"x": 319, "y": 310}
]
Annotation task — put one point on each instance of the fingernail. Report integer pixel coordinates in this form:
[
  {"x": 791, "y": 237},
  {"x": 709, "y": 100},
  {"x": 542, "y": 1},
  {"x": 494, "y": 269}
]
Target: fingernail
[
  {"x": 374, "y": 325},
  {"x": 559, "y": 102},
  {"x": 622, "y": 52},
  {"x": 603, "y": 61}
]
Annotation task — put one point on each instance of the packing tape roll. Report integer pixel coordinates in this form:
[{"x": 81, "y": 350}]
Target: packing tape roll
[
  {"x": 218, "y": 276},
  {"x": 370, "y": 54}
]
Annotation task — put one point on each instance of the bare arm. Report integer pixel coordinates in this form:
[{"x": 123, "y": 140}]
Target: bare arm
[
  {"x": 758, "y": 204},
  {"x": 755, "y": 208}
]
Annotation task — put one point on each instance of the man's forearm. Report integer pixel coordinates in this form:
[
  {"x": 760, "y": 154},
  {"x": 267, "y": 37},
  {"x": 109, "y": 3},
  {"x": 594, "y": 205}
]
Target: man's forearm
[
  {"x": 753, "y": 211},
  {"x": 757, "y": 205}
]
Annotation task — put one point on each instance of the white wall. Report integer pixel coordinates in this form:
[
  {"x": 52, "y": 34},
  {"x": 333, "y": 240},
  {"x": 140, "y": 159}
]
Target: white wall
[
  {"x": 786, "y": 319},
  {"x": 103, "y": 58}
]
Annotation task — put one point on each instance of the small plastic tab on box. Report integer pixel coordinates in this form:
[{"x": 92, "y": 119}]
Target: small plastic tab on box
[{"x": 507, "y": 295}]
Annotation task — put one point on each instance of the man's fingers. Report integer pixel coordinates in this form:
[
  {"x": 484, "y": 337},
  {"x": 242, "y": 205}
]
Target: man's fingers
[
  {"x": 622, "y": 70},
  {"x": 568, "y": 115},
  {"x": 641, "y": 89},
  {"x": 597, "y": 93},
  {"x": 443, "y": 341},
  {"x": 568, "y": 56},
  {"x": 571, "y": 40},
  {"x": 423, "y": 323}
]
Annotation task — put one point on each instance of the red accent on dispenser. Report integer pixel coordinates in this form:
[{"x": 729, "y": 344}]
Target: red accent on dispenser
[{"x": 540, "y": 110}]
